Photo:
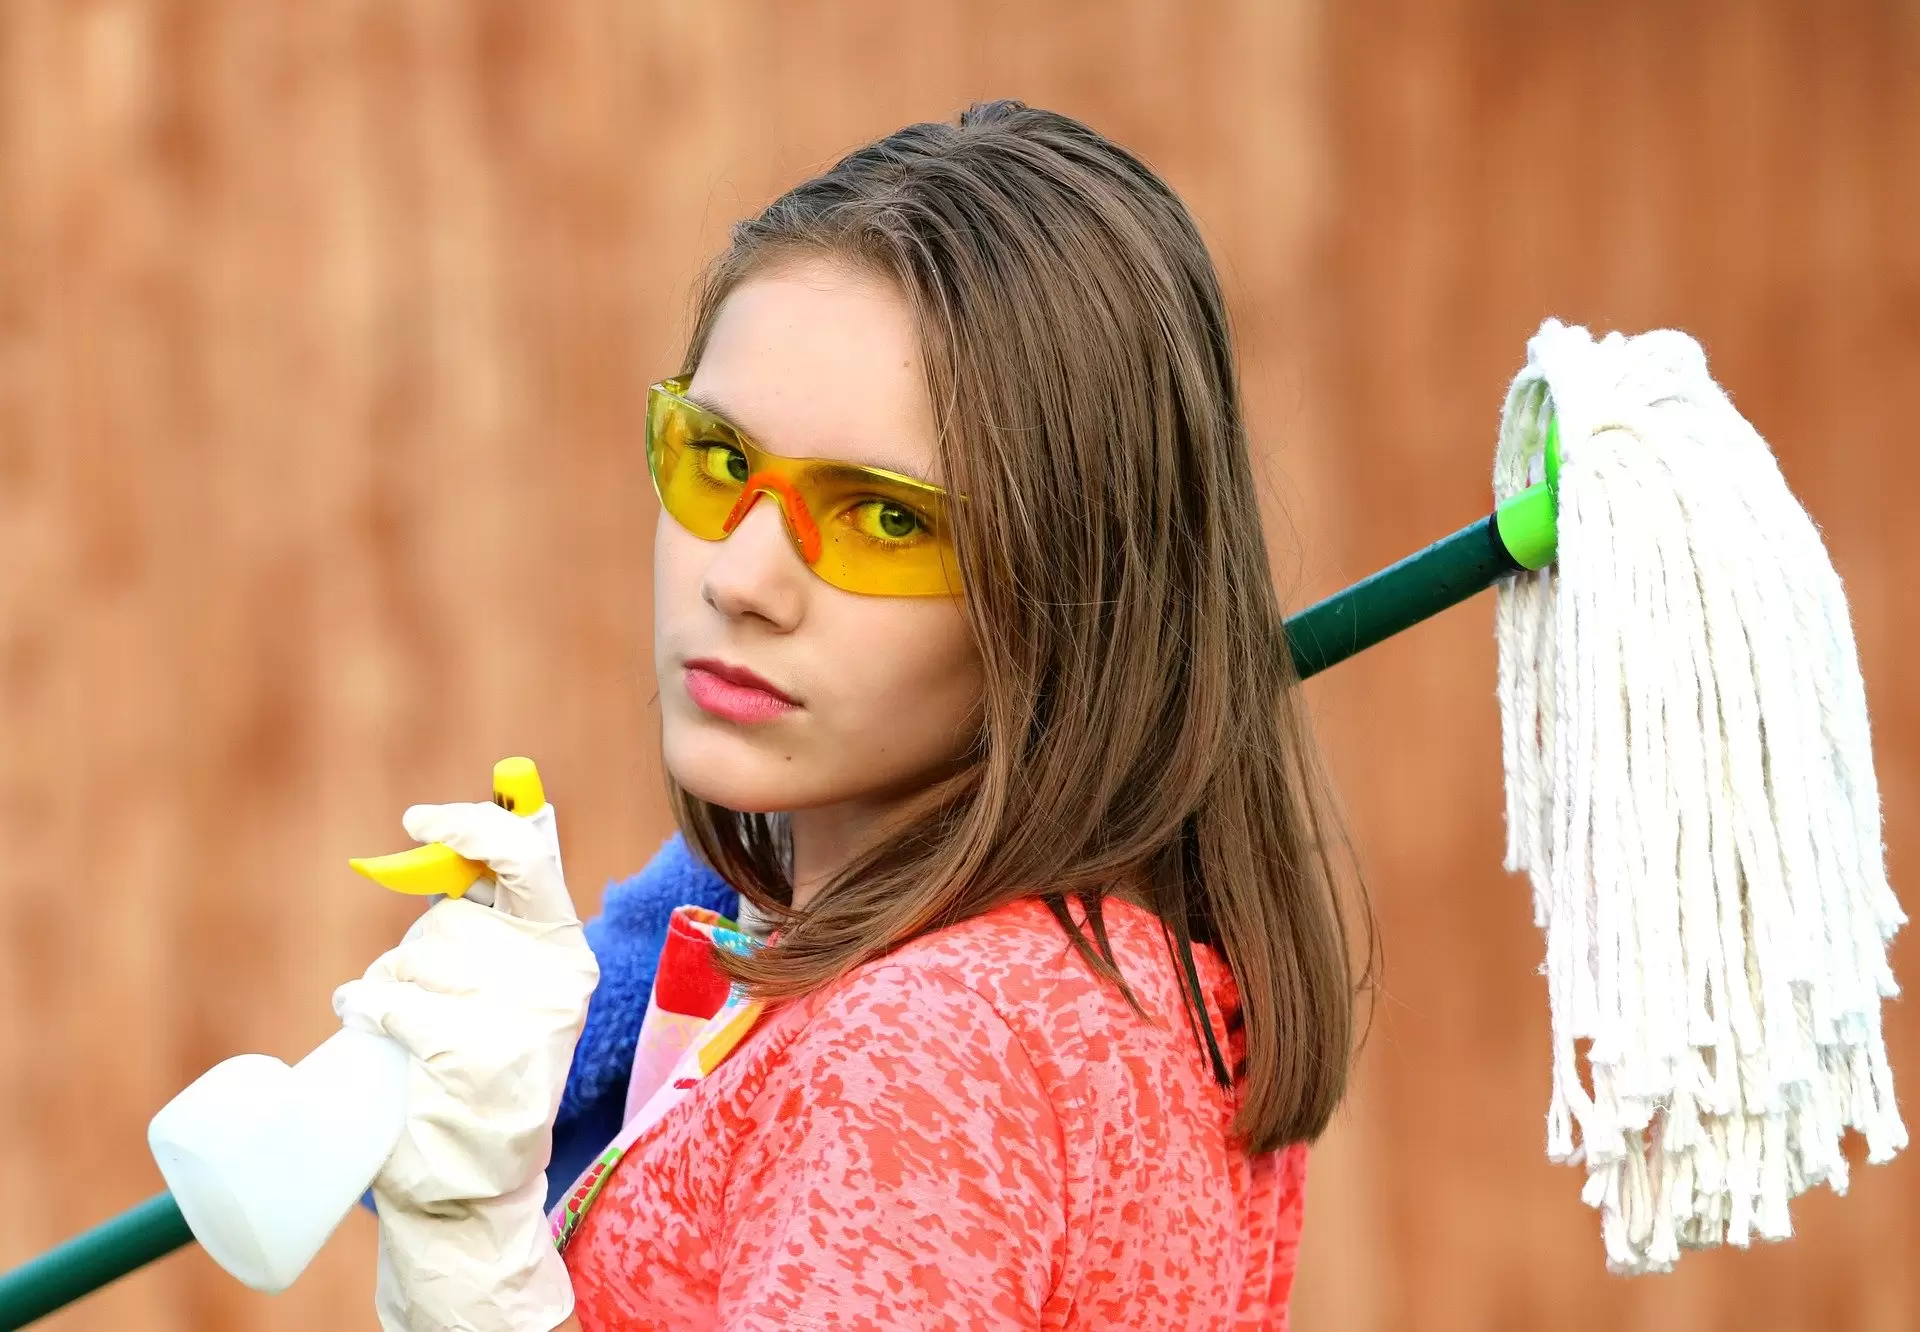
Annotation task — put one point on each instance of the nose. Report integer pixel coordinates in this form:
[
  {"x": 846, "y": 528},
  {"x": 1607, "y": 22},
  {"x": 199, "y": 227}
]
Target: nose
[{"x": 755, "y": 570}]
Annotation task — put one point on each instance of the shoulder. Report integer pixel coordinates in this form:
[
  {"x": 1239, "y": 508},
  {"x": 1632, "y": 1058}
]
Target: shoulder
[
  {"x": 1016, "y": 958},
  {"x": 1007, "y": 994},
  {"x": 1012, "y": 981},
  {"x": 932, "y": 1008},
  {"x": 960, "y": 1014},
  {"x": 1020, "y": 962}
]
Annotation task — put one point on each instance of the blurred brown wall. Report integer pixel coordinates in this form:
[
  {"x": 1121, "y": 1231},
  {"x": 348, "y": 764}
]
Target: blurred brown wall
[{"x": 323, "y": 335}]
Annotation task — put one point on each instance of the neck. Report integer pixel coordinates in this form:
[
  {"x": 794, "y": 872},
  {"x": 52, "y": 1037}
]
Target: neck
[{"x": 824, "y": 840}]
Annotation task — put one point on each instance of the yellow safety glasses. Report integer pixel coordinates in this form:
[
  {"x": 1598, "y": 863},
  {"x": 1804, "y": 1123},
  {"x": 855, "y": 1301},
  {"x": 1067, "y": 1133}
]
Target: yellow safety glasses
[{"x": 862, "y": 529}]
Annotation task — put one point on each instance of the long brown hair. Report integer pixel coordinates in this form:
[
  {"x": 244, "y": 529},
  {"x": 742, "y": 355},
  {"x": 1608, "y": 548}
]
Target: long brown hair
[{"x": 1141, "y": 724}]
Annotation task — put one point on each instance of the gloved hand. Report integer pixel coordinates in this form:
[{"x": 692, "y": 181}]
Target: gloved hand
[{"x": 489, "y": 1001}]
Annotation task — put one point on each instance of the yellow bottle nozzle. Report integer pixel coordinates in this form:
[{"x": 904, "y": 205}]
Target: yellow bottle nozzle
[
  {"x": 437, "y": 869},
  {"x": 516, "y": 786}
]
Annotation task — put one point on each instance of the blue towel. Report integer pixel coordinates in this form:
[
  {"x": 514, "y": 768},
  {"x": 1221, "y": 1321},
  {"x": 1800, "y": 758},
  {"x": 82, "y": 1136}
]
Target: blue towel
[{"x": 626, "y": 938}]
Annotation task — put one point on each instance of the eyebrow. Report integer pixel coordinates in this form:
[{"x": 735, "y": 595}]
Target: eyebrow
[{"x": 707, "y": 402}]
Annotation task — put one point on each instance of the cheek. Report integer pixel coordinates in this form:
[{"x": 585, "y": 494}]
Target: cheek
[
  {"x": 677, "y": 571},
  {"x": 913, "y": 682}
]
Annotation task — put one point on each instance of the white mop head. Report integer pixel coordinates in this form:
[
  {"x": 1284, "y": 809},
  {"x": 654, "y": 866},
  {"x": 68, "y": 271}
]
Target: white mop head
[{"x": 1690, "y": 786}]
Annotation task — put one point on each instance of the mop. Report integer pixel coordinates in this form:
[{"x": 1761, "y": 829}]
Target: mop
[{"x": 1690, "y": 787}]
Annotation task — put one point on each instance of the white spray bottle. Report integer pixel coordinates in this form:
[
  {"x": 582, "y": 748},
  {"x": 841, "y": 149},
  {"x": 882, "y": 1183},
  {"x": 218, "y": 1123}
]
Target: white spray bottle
[{"x": 264, "y": 1160}]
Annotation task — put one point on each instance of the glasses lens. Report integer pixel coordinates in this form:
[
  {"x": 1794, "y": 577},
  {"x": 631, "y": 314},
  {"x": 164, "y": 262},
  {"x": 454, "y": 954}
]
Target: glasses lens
[
  {"x": 699, "y": 464},
  {"x": 877, "y": 533},
  {"x": 880, "y": 534}
]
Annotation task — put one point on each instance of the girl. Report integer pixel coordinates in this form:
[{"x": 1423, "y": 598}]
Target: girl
[{"x": 971, "y": 685}]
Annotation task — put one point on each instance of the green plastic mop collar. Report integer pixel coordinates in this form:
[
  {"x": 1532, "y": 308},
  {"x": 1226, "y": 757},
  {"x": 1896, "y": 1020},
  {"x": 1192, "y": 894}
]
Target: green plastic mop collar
[{"x": 1527, "y": 522}]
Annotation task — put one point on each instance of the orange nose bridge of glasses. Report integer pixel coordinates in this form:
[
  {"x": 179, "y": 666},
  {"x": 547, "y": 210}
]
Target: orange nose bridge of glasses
[{"x": 799, "y": 520}]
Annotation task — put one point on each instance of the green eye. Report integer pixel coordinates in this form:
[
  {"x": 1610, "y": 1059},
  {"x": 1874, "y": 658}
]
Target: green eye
[
  {"x": 884, "y": 520},
  {"x": 723, "y": 463}
]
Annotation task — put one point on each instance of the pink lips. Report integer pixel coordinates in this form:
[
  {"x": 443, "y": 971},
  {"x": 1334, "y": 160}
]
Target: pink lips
[{"x": 734, "y": 693}]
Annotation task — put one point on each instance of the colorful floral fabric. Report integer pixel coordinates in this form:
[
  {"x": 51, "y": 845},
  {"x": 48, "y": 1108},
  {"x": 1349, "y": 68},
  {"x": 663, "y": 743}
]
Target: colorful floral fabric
[
  {"x": 694, "y": 1020},
  {"x": 975, "y": 1132},
  {"x": 687, "y": 991}
]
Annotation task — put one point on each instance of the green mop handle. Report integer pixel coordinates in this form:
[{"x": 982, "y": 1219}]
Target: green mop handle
[
  {"x": 91, "y": 1260},
  {"x": 1518, "y": 535},
  {"x": 1521, "y": 534}
]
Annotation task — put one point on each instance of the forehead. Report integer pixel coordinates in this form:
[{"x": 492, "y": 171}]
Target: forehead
[{"x": 815, "y": 359}]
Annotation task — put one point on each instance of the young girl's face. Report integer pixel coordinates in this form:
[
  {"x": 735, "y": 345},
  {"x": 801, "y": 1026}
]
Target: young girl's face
[{"x": 779, "y": 692}]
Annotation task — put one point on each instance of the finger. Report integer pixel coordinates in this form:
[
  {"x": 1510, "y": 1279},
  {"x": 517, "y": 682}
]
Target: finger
[
  {"x": 515, "y": 852},
  {"x": 538, "y": 893},
  {"x": 478, "y": 830},
  {"x": 358, "y": 1009},
  {"x": 368, "y": 1005},
  {"x": 459, "y": 947},
  {"x": 522, "y": 853},
  {"x": 432, "y": 1026}
]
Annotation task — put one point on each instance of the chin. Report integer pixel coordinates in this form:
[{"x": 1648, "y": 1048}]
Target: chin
[{"x": 725, "y": 768}]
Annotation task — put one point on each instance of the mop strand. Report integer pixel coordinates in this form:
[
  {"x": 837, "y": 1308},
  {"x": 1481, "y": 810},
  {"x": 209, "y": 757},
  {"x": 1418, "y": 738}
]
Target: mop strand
[{"x": 1690, "y": 787}]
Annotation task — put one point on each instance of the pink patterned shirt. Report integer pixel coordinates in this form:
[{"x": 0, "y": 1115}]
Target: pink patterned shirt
[{"x": 974, "y": 1132}]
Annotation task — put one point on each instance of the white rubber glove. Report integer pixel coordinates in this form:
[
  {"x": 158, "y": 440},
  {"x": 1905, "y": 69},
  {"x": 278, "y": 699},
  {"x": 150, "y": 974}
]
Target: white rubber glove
[{"x": 489, "y": 1002}]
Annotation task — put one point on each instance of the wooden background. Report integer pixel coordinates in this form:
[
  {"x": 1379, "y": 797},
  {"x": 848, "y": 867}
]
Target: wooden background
[{"x": 323, "y": 333}]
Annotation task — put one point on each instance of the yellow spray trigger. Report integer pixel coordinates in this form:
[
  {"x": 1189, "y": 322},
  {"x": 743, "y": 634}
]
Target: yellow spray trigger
[{"x": 434, "y": 868}]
